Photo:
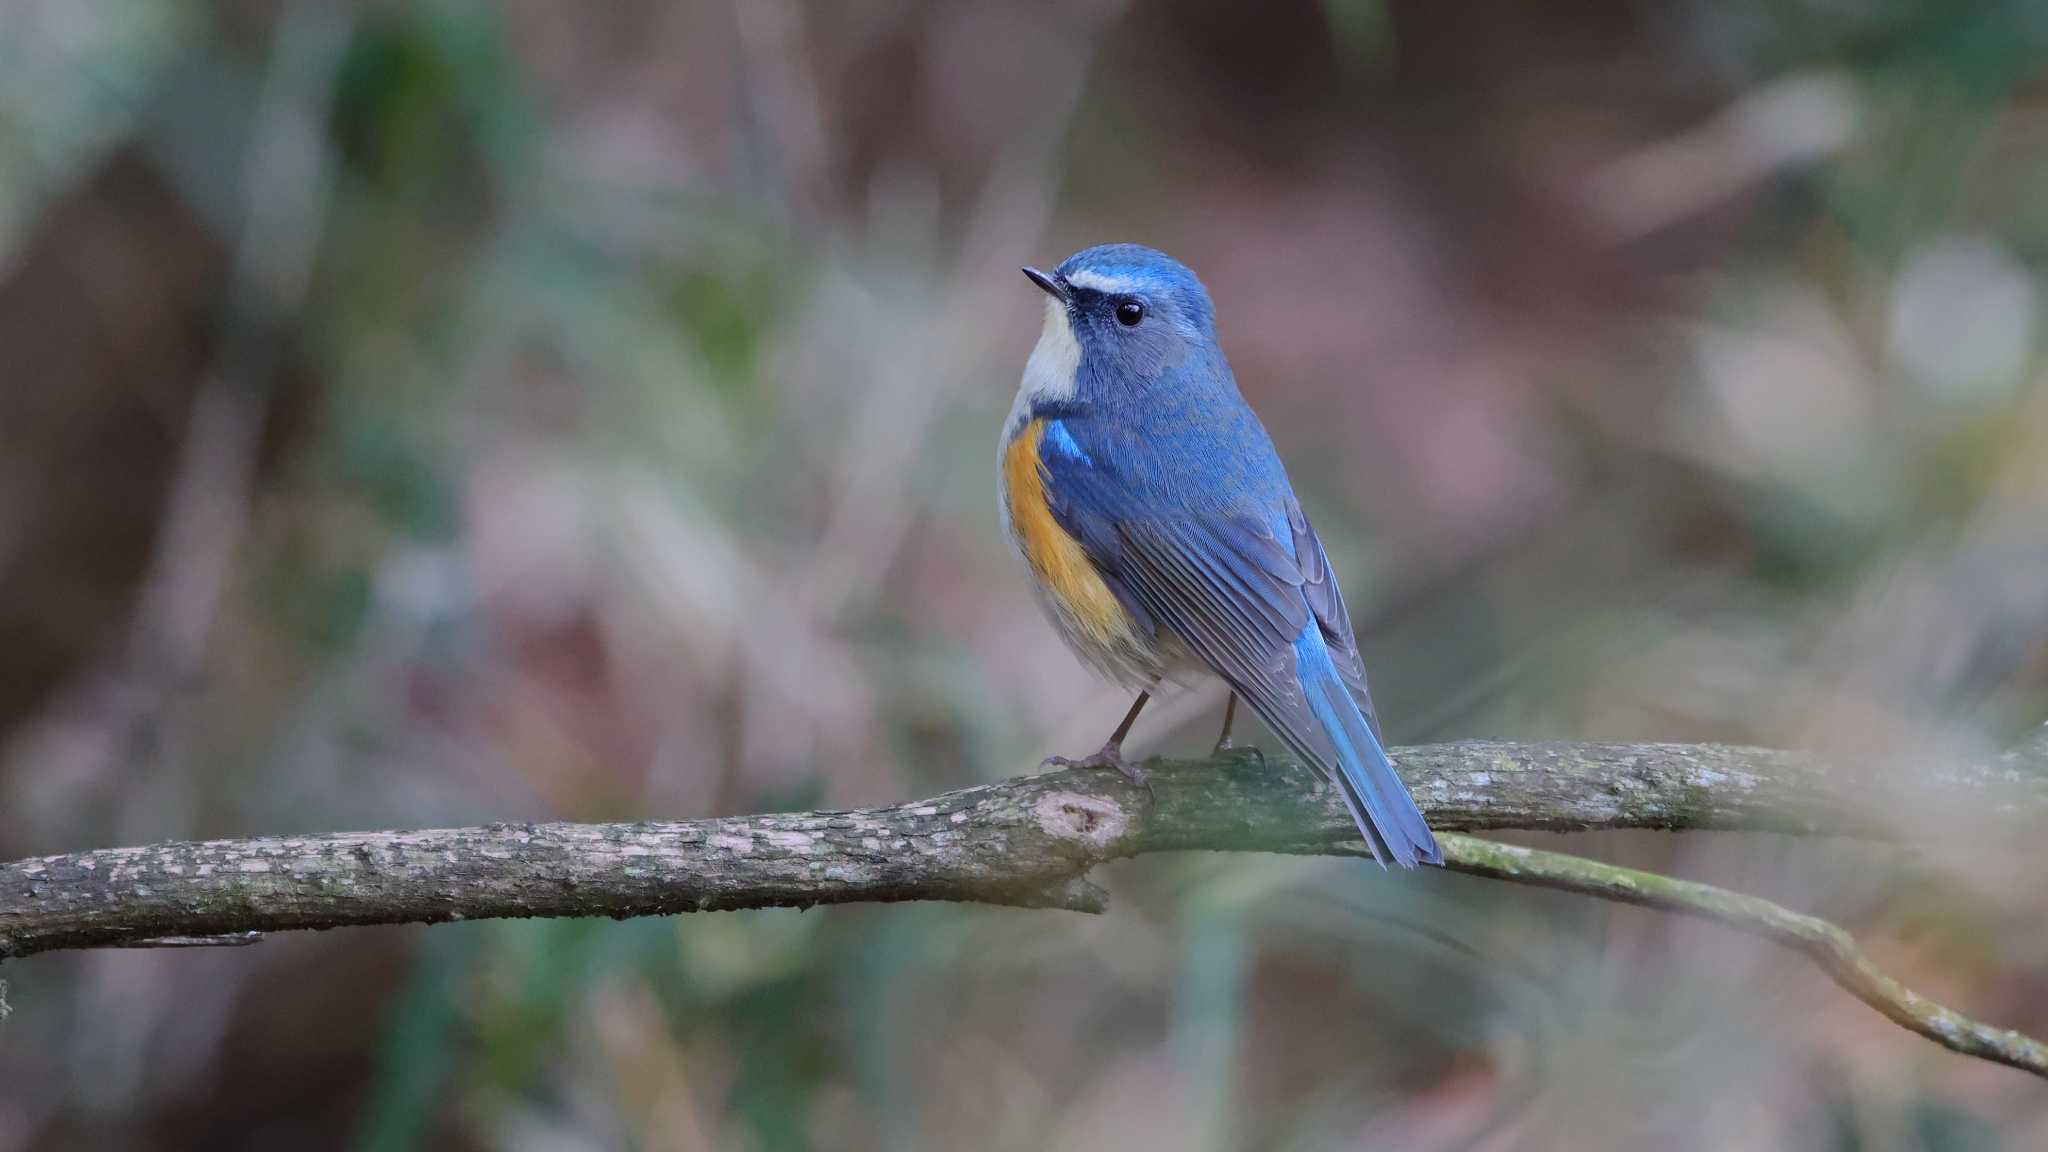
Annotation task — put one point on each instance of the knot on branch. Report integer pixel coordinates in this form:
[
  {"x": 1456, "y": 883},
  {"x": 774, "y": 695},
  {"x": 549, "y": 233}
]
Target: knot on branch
[{"x": 1096, "y": 823}]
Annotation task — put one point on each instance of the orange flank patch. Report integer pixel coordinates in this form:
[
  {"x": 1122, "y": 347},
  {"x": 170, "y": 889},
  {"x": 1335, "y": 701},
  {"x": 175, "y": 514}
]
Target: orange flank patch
[{"x": 1062, "y": 568}]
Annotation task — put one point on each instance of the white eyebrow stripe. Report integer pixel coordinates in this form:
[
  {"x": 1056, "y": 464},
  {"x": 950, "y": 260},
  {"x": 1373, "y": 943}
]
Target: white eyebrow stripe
[{"x": 1096, "y": 282}]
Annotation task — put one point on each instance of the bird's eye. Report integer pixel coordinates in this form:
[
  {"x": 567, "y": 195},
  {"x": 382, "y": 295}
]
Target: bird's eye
[{"x": 1129, "y": 313}]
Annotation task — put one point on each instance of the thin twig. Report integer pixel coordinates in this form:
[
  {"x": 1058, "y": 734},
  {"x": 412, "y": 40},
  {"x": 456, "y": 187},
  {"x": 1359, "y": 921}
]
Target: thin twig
[{"x": 1825, "y": 943}]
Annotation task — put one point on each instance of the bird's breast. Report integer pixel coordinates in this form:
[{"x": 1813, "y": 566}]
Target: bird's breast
[{"x": 1082, "y": 605}]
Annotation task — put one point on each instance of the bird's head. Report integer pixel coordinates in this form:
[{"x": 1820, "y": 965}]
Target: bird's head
[{"x": 1130, "y": 312}]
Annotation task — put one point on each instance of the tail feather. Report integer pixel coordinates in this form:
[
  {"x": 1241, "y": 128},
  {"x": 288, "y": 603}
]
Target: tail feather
[{"x": 1378, "y": 800}]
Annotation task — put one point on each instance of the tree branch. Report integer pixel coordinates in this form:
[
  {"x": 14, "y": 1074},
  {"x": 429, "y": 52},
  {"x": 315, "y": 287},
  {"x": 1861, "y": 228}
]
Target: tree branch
[{"x": 1030, "y": 842}]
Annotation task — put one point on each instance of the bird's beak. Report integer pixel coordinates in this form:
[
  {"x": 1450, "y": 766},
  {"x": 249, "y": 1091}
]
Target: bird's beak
[{"x": 1053, "y": 288}]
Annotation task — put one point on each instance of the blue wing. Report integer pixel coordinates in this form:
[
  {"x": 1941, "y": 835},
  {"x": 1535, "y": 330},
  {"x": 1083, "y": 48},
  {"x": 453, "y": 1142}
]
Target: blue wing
[{"x": 1242, "y": 580}]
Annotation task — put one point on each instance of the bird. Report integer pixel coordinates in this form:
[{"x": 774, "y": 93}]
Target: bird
[{"x": 1164, "y": 540}]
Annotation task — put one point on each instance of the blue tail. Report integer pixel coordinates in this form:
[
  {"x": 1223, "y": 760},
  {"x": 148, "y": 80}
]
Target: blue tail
[{"x": 1378, "y": 801}]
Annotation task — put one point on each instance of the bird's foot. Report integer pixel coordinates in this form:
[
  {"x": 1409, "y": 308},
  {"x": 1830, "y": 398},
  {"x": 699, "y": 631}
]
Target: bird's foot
[
  {"x": 1111, "y": 755},
  {"x": 1317, "y": 785},
  {"x": 1225, "y": 748}
]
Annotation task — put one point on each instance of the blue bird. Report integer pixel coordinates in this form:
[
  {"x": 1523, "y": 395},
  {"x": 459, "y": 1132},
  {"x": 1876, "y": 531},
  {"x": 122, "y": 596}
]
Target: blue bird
[{"x": 1164, "y": 539}]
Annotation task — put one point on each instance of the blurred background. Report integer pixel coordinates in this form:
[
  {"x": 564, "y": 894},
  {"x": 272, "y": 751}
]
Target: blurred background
[{"x": 437, "y": 413}]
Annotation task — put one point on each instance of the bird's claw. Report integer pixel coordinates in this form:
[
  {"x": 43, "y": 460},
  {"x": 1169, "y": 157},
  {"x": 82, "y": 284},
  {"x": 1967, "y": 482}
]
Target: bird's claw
[
  {"x": 1109, "y": 756},
  {"x": 1238, "y": 752}
]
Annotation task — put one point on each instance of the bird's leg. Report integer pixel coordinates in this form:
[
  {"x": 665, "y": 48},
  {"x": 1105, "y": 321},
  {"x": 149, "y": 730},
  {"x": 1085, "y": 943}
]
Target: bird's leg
[
  {"x": 1316, "y": 782},
  {"x": 1112, "y": 754},
  {"x": 1223, "y": 745}
]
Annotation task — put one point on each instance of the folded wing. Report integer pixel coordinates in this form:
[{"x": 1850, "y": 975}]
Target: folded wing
[{"x": 1264, "y": 612}]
